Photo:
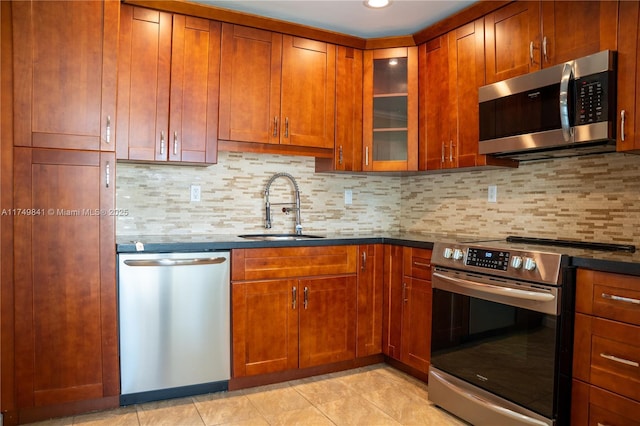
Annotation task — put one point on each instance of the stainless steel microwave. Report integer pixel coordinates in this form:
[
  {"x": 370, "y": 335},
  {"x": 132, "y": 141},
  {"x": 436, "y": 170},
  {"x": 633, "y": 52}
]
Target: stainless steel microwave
[{"x": 568, "y": 109}]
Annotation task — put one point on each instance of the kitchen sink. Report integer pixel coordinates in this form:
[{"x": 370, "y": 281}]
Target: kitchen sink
[{"x": 279, "y": 237}]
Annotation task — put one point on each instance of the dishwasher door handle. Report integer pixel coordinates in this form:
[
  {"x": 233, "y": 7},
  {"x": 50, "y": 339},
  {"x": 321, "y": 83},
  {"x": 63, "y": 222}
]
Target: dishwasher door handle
[{"x": 175, "y": 262}]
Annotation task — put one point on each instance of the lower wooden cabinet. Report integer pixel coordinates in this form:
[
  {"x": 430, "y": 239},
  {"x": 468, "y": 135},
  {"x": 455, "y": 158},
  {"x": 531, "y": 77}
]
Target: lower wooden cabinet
[
  {"x": 66, "y": 344},
  {"x": 606, "y": 352},
  {"x": 297, "y": 321},
  {"x": 407, "y": 306}
]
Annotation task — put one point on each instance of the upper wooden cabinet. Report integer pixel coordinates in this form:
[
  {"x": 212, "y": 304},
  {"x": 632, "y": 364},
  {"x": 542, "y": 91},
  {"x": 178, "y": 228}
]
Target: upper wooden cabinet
[
  {"x": 390, "y": 114},
  {"x": 451, "y": 71},
  {"x": 167, "y": 87},
  {"x": 525, "y": 36},
  {"x": 276, "y": 89},
  {"x": 347, "y": 153},
  {"x": 65, "y": 73},
  {"x": 628, "y": 68}
]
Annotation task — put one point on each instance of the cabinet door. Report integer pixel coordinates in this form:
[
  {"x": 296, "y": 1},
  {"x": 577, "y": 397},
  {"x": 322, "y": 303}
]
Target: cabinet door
[
  {"x": 195, "y": 68},
  {"x": 628, "y": 84},
  {"x": 466, "y": 75},
  {"x": 348, "y": 144},
  {"x": 144, "y": 67},
  {"x": 573, "y": 29},
  {"x": 265, "y": 326},
  {"x": 308, "y": 93},
  {"x": 512, "y": 36},
  {"x": 435, "y": 112},
  {"x": 64, "y": 73},
  {"x": 416, "y": 323},
  {"x": 250, "y": 77},
  {"x": 393, "y": 299},
  {"x": 327, "y": 320},
  {"x": 370, "y": 281},
  {"x": 390, "y": 114},
  {"x": 65, "y": 291}
]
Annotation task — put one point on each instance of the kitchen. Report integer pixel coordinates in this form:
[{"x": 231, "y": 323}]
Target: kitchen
[{"x": 588, "y": 198}]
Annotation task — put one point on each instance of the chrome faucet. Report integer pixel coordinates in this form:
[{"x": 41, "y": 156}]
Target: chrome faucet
[{"x": 296, "y": 204}]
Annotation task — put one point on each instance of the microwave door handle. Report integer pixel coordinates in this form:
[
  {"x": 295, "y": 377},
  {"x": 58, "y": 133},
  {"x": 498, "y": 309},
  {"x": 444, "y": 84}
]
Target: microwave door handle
[{"x": 567, "y": 75}]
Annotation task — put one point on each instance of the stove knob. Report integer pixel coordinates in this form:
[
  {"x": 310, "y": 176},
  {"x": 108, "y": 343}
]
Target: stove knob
[
  {"x": 529, "y": 264},
  {"x": 516, "y": 262},
  {"x": 448, "y": 253},
  {"x": 458, "y": 254}
]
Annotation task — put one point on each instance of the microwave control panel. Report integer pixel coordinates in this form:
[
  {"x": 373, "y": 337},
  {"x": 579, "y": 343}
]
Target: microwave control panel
[{"x": 592, "y": 98}]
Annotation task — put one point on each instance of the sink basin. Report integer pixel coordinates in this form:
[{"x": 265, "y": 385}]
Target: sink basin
[{"x": 279, "y": 237}]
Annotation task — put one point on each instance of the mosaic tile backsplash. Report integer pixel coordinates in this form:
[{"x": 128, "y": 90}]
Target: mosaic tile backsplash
[{"x": 592, "y": 198}]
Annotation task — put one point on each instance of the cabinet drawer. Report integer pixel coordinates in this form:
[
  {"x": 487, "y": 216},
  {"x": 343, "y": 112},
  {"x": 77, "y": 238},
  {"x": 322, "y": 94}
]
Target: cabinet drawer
[
  {"x": 607, "y": 295},
  {"x": 607, "y": 354},
  {"x": 594, "y": 406},
  {"x": 417, "y": 263},
  {"x": 269, "y": 263}
]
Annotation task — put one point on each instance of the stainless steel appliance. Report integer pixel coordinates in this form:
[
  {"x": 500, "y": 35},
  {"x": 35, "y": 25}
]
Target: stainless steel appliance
[
  {"x": 174, "y": 311},
  {"x": 501, "y": 334},
  {"x": 567, "y": 109}
]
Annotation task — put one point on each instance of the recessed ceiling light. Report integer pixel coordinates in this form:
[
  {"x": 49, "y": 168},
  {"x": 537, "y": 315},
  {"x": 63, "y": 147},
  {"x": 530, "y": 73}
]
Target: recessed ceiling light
[{"x": 377, "y": 4}]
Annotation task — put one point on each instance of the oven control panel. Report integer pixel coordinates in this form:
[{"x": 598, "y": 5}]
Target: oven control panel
[{"x": 492, "y": 259}]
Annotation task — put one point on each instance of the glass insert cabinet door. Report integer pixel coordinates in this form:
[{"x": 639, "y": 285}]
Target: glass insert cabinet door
[{"x": 390, "y": 118}]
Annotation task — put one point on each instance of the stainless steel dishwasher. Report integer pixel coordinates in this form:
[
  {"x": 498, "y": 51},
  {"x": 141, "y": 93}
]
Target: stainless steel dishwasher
[{"x": 174, "y": 312}]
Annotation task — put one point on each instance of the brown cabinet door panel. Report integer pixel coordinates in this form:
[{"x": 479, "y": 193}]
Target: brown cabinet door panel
[
  {"x": 265, "y": 326},
  {"x": 512, "y": 37},
  {"x": 393, "y": 299},
  {"x": 308, "y": 93},
  {"x": 143, "y": 84},
  {"x": 348, "y": 144},
  {"x": 66, "y": 344},
  {"x": 416, "y": 324},
  {"x": 370, "y": 281},
  {"x": 195, "y": 67},
  {"x": 64, "y": 71},
  {"x": 578, "y": 28},
  {"x": 628, "y": 84},
  {"x": 250, "y": 77},
  {"x": 327, "y": 320}
]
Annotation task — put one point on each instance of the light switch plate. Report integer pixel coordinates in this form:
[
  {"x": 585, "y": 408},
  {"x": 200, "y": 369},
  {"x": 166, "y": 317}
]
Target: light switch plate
[
  {"x": 195, "y": 192},
  {"x": 492, "y": 194},
  {"x": 348, "y": 197}
]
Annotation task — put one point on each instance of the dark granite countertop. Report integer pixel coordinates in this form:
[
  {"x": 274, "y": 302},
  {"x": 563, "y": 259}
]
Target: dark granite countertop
[{"x": 617, "y": 262}]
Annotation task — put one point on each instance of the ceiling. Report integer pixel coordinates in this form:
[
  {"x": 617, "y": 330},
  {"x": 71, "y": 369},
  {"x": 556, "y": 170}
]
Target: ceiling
[{"x": 352, "y": 17}]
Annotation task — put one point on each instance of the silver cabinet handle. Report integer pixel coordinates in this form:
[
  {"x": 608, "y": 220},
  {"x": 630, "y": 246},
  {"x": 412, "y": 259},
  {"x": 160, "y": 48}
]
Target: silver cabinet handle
[
  {"x": 306, "y": 297},
  {"x": 107, "y": 174},
  {"x": 366, "y": 155},
  {"x": 175, "y": 262},
  {"x": 162, "y": 143},
  {"x": 620, "y": 360},
  {"x": 286, "y": 127},
  {"x": 544, "y": 49},
  {"x": 404, "y": 293},
  {"x": 443, "y": 153},
  {"x": 451, "y": 151},
  {"x": 620, "y": 298},
  {"x": 422, "y": 264},
  {"x": 531, "y": 52},
  {"x": 294, "y": 297},
  {"x": 567, "y": 74},
  {"x": 364, "y": 260},
  {"x": 175, "y": 143},
  {"x": 275, "y": 126},
  {"x": 340, "y": 155},
  {"x": 623, "y": 114},
  {"x": 108, "y": 131}
]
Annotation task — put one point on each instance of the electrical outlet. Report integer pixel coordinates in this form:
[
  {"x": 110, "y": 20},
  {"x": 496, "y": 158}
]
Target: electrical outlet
[
  {"x": 492, "y": 194},
  {"x": 195, "y": 192},
  {"x": 348, "y": 197}
]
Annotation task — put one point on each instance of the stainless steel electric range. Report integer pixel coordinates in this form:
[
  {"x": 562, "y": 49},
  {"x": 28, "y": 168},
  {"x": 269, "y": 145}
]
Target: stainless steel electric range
[{"x": 502, "y": 329}]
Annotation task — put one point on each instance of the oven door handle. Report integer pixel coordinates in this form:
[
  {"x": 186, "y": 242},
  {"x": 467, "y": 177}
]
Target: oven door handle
[{"x": 502, "y": 291}]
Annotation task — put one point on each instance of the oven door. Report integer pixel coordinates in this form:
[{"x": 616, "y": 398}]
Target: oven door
[{"x": 500, "y": 336}]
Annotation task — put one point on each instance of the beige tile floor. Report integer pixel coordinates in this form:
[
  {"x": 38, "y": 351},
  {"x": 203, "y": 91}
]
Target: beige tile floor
[{"x": 374, "y": 395}]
